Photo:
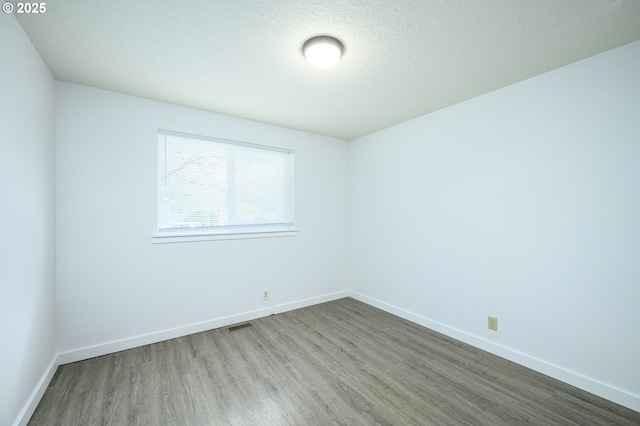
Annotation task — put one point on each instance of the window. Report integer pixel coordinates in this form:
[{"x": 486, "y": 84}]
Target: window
[{"x": 210, "y": 186}]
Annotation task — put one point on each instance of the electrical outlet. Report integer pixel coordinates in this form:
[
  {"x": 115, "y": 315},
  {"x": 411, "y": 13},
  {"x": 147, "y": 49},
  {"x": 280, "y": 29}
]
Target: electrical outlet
[
  {"x": 265, "y": 294},
  {"x": 493, "y": 323}
]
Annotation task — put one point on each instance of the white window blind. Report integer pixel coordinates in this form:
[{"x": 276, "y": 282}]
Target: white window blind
[{"x": 210, "y": 185}]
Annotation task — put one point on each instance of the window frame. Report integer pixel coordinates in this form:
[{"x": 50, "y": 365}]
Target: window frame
[{"x": 226, "y": 232}]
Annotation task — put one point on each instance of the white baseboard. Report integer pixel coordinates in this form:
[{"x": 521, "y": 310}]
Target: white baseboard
[
  {"x": 578, "y": 380},
  {"x": 278, "y": 309},
  {"x": 35, "y": 397},
  {"x": 146, "y": 339}
]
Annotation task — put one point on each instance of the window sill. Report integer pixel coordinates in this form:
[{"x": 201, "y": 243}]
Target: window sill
[{"x": 193, "y": 238}]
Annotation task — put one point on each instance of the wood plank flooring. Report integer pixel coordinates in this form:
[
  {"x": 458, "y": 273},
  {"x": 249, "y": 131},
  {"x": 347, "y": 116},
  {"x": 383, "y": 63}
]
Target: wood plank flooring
[{"x": 337, "y": 363}]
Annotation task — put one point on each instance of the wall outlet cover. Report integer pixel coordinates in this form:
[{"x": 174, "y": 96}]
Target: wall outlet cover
[{"x": 493, "y": 323}]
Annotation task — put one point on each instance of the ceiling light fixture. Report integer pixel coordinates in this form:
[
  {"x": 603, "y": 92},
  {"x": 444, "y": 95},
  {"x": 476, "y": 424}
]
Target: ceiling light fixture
[{"x": 323, "y": 51}]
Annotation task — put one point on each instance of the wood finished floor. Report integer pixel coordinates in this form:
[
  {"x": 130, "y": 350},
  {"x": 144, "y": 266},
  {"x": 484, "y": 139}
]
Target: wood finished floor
[{"x": 341, "y": 362}]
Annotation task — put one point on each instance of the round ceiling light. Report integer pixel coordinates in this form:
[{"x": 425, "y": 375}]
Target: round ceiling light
[{"x": 323, "y": 51}]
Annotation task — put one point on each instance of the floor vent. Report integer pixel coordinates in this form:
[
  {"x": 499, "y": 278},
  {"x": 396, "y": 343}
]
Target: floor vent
[{"x": 239, "y": 326}]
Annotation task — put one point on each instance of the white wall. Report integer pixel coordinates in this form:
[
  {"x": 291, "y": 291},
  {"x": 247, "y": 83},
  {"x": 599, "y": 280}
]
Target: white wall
[
  {"x": 27, "y": 221},
  {"x": 114, "y": 285},
  {"x": 522, "y": 204}
]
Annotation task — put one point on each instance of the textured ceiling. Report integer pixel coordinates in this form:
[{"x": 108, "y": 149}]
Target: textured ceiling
[{"x": 403, "y": 59}]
